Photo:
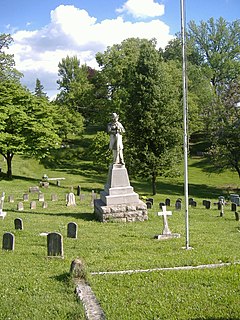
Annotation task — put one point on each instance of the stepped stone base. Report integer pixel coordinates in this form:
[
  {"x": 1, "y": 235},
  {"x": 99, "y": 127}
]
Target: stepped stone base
[
  {"x": 121, "y": 212},
  {"x": 118, "y": 202}
]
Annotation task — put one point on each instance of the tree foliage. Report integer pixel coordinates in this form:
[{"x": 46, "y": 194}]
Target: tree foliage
[
  {"x": 27, "y": 125},
  {"x": 146, "y": 92},
  {"x": 218, "y": 43}
]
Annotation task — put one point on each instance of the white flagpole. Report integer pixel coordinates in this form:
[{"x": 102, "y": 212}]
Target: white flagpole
[{"x": 185, "y": 126}]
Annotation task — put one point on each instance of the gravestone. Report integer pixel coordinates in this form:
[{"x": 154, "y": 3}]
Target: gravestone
[
  {"x": 2, "y": 213},
  {"x": 54, "y": 197},
  {"x": 221, "y": 203},
  {"x": 161, "y": 204},
  {"x": 78, "y": 190},
  {"x": 70, "y": 199},
  {"x": 166, "y": 233},
  {"x": 34, "y": 189},
  {"x": 167, "y": 202},
  {"x": 194, "y": 203},
  {"x": 235, "y": 198},
  {"x": 25, "y": 197},
  {"x": 207, "y": 204},
  {"x": 178, "y": 205},
  {"x": 149, "y": 204},
  {"x": 55, "y": 244},
  {"x": 33, "y": 205},
  {"x": 8, "y": 241},
  {"x": 81, "y": 197},
  {"x": 18, "y": 224},
  {"x": 150, "y": 199},
  {"x": 44, "y": 205},
  {"x": 233, "y": 207},
  {"x": 190, "y": 200},
  {"x": 20, "y": 206},
  {"x": 72, "y": 229},
  {"x": 204, "y": 203},
  {"x": 41, "y": 197},
  {"x": 11, "y": 198}
]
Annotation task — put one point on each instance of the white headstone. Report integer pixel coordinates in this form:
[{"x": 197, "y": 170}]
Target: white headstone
[
  {"x": 2, "y": 214},
  {"x": 164, "y": 214}
]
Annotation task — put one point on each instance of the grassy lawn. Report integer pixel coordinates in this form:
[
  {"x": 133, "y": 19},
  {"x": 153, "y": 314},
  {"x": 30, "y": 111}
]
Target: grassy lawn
[{"x": 36, "y": 287}]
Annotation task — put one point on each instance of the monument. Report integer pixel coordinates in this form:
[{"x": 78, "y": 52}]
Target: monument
[{"x": 118, "y": 202}]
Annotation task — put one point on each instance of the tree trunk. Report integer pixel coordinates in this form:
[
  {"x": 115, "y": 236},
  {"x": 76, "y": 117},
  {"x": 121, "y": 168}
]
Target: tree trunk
[
  {"x": 154, "y": 189},
  {"x": 9, "y": 164}
]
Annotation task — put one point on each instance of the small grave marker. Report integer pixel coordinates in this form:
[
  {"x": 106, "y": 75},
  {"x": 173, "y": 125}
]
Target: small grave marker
[
  {"x": 150, "y": 199},
  {"x": 54, "y": 197},
  {"x": 207, "y": 204},
  {"x": 44, "y": 205},
  {"x": 11, "y": 198},
  {"x": 41, "y": 197},
  {"x": 70, "y": 199},
  {"x": 178, "y": 205},
  {"x": 149, "y": 204},
  {"x": 72, "y": 229},
  {"x": 161, "y": 204},
  {"x": 168, "y": 202},
  {"x": 78, "y": 190},
  {"x": 34, "y": 189},
  {"x": 194, "y": 203},
  {"x": 55, "y": 244},
  {"x": 33, "y": 205},
  {"x": 2, "y": 213},
  {"x": 25, "y": 197},
  {"x": 18, "y": 224},
  {"x": 20, "y": 206},
  {"x": 8, "y": 241},
  {"x": 166, "y": 233}
]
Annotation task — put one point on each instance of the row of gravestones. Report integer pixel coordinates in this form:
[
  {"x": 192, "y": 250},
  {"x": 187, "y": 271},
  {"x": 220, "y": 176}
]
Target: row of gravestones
[
  {"x": 54, "y": 239},
  {"x": 193, "y": 203}
]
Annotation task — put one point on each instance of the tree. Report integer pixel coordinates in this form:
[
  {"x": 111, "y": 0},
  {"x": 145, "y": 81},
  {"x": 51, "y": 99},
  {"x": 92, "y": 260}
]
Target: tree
[
  {"x": 218, "y": 43},
  {"x": 75, "y": 85},
  {"x": 7, "y": 63},
  {"x": 146, "y": 92},
  {"x": 38, "y": 92},
  {"x": 26, "y": 124}
]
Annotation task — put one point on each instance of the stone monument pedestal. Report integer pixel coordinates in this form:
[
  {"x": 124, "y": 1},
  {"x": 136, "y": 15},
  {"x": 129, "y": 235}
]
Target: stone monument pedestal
[{"x": 118, "y": 202}]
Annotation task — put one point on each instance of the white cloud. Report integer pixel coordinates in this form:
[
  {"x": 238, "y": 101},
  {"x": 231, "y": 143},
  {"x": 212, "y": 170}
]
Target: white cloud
[
  {"x": 73, "y": 31},
  {"x": 142, "y": 8}
]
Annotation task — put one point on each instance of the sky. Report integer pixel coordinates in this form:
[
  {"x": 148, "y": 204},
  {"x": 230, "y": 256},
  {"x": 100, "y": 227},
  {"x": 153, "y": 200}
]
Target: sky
[{"x": 46, "y": 31}]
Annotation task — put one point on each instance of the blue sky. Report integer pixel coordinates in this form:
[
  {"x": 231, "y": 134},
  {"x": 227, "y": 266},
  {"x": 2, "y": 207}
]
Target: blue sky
[{"x": 45, "y": 31}]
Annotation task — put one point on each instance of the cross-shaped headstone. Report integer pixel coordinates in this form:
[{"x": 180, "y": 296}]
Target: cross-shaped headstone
[
  {"x": 164, "y": 214},
  {"x": 2, "y": 214}
]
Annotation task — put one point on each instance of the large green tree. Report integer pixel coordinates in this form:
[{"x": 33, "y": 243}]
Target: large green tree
[
  {"x": 76, "y": 89},
  {"x": 146, "y": 92},
  {"x": 26, "y": 124},
  {"x": 218, "y": 43}
]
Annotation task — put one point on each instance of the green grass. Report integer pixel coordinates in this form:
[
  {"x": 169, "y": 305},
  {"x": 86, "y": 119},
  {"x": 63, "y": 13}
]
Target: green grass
[{"x": 36, "y": 287}]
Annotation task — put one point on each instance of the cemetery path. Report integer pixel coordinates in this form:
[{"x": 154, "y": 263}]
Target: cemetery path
[{"x": 203, "y": 266}]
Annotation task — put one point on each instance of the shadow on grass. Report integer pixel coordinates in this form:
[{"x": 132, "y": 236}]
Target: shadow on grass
[
  {"x": 81, "y": 216},
  {"x": 177, "y": 189},
  {"x": 65, "y": 277}
]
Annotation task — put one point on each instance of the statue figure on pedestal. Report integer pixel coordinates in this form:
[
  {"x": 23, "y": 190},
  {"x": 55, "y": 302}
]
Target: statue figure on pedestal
[{"x": 115, "y": 129}]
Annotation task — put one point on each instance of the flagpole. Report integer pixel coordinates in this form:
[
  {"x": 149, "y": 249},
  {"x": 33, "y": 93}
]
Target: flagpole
[{"x": 185, "y": 126}]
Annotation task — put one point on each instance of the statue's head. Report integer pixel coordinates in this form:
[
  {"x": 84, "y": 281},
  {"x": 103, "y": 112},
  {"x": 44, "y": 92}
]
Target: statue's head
[{"x": 115, "y": 116}]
